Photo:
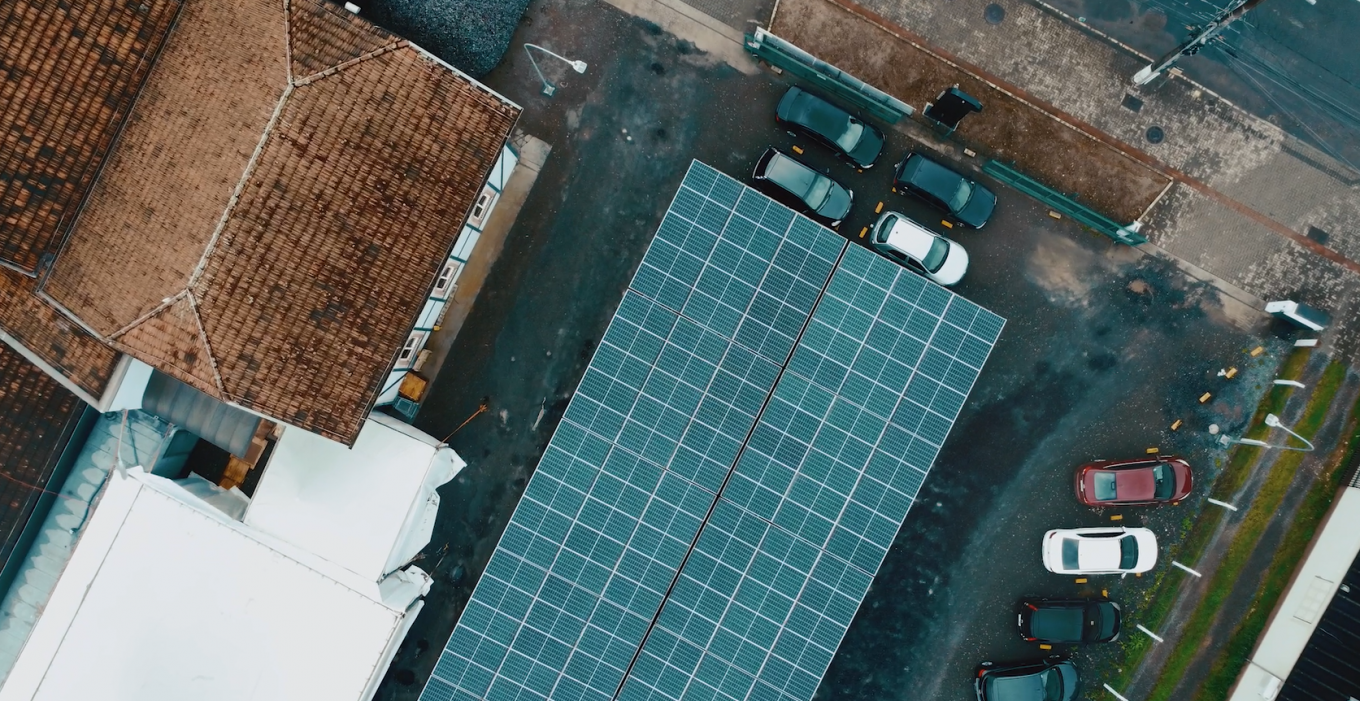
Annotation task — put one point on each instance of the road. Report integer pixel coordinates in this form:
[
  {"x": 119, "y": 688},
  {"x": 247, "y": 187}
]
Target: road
[
  {"x": 1103, "y": 349},
  {"x": 1291, "y": 62}
]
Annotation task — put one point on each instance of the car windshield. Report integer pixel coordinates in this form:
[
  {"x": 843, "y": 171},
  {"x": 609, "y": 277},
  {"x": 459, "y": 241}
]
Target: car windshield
[
  {"x": 961, "y": 197},
  {"x": 849, "y": 138},
  {"x": 1069, "y": 553},
  {"x": 817, "y": 194},
  {"x": 1104, "y": 486},
  {"x": 1128, "y": 552},
  {"x": 1053, "y": 687},
  {"x": 935, "y": 258},
  {"x": 1165, "y": 478}
]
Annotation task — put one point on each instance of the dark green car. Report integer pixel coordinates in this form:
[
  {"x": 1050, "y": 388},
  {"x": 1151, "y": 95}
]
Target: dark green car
[
  {"x": 850, "y": 137},
  {"x": 1069, "y": 621},
  {"x": 1051, "y": 679},
  {"x": 798, "y": 186}
]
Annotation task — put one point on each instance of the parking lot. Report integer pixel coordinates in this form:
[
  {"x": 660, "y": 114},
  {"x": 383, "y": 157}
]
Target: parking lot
[{"x": 1103, "y": 349}]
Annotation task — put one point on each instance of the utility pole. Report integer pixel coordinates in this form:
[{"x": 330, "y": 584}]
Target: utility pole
[{"x": 1194, "y": 43}]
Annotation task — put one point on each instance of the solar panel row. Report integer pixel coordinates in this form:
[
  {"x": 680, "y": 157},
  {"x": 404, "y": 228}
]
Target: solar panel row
[
  {"x": 730, "y": 473},
  {"x": 819, "y": 491},
  {"x": 644, "y": 447}
]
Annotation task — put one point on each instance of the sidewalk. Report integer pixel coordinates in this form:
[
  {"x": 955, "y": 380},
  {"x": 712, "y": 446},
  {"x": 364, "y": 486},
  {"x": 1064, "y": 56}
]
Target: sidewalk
[
  {"x": 1248, "y": 204},
  {"x": 532, "y": 154}
]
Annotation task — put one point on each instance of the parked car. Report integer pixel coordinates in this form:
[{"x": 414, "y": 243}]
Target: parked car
[
  {"x": 1052, "y": 679},
  {"x": 847, "y": 135},
  {"x": 1165, "y": 478},
  {"x": 1074, "y": 621},
  {"x": 1099, "y": 550},
  {"x": 919, "y": 248},
  {"x": 797, "y": 185},
  {"x": 966, "y": 201}
]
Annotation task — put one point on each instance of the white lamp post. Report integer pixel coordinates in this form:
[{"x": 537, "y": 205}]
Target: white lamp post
[
  {"x": 1272, "y": 421},
  {"x": 549, "y": 88}
]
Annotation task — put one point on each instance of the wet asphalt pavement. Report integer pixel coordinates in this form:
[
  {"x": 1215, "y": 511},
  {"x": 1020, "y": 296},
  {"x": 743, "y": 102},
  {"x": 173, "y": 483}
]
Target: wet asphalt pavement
[{"x": 1103, "y": 349}]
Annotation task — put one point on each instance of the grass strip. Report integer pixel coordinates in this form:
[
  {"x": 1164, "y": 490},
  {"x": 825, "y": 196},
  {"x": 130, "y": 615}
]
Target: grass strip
[
  {"x": 1263, "y": 509},
  {"x": 1296, "y": 541},
  {"x": 1160, "y": 596}
]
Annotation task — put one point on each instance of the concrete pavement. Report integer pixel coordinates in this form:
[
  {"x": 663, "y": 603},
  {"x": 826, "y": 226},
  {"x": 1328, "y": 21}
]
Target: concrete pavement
[{"x": 1250, "y": 204}]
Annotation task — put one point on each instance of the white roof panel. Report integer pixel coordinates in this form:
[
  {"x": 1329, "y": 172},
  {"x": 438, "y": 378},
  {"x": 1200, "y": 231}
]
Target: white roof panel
[
  {"x": 167, "y": 599},
  {"x": 363, "y": 508}
]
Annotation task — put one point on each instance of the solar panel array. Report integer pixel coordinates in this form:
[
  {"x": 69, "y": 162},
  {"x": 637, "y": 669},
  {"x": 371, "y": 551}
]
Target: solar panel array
[{"x": 730, "y": 472}]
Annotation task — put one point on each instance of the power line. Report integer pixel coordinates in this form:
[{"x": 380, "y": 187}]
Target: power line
[{"x": 1322, "y": 143}]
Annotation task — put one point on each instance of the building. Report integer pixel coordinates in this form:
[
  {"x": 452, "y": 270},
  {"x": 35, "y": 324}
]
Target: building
[
  {"x": 1308, "y": 650},
  {"x": 256, "y": 198},
  {"x": 168, "y": 597},
  {"x": 224, "y": 224},
  {"x": 118, "y": 532}
]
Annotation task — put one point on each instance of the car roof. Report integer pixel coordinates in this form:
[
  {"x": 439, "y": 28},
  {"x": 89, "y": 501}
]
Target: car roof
[
  {"x": 1066, "y": 622},
  {"x": 813, "y": 112},
  {"x": 910, "y": 238},
  {"x": 1098, "y": 553},
  {"x": 790, "y": 174},
  {"x": 932, "y": 177},
  {"x": 1135, "y": 484}
]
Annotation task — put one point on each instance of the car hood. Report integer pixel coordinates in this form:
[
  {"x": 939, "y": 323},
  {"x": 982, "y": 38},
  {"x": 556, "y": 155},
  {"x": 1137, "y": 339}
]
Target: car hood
[
  {"x": 869, "y": 147},
  {"x": 837, "y": 203},
  {"x": 1147, "y": 549},
  {"x": 979, "y": 207},
  {"x": 955, "y": 265},
  {"x": 1135, "y": 485}
]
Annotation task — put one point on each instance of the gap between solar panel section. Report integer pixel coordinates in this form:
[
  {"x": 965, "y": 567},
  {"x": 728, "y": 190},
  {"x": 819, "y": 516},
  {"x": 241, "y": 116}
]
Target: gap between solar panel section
[
  {"x": 648, "y": 439},
  {"x": 819, "y": 491}
]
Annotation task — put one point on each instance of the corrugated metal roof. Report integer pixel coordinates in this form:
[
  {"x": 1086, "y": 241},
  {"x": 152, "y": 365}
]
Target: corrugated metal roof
[{"x": 1329, "y": 669}]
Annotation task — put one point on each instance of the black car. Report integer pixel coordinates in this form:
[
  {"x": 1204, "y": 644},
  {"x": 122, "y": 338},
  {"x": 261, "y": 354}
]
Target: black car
[
  {"x": 965, "y": 200},
  {"x": 1069, "y": 620},
  {"x": 1052, "y": 679},
  {"x": 799, "y": 186},
  {"x": 852, "y": 138}
]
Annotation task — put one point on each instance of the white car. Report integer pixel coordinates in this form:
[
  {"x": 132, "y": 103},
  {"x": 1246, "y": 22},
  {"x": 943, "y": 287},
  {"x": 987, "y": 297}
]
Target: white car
[
  {"x": 1099, "y": 550},
  {"x": 903, "y": 240}
]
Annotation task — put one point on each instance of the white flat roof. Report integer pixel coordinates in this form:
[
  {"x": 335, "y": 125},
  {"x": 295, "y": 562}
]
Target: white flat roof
[
  {"x": 167, "y": 599},
  {"x": 368, "y": 509}
]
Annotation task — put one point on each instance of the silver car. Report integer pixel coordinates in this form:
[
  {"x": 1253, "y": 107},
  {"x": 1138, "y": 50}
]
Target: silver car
[{"x": 903, "y": 240}]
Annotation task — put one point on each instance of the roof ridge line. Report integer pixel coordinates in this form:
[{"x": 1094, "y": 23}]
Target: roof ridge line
[
  {"x": 343, "y": 65},
  {"x": 288, "y": 39},
  {"x": 203, "y": 338},
  {"x": 236, "y": 191},
  {"x": 165, "y": 304}
]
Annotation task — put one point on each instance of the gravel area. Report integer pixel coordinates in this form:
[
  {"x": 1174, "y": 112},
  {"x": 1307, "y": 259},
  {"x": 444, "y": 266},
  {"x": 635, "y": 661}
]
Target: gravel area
[{"x": 472, "y": 35}]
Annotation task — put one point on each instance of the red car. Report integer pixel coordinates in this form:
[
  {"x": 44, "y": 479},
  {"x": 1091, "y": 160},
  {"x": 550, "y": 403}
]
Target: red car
[{"x": 1159, "y": 480}]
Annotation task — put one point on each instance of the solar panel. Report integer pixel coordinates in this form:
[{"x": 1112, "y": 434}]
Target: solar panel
[
  {"x": 820, "y": 489},
  {"x": 730, "y": 472},
  {"x": 645, "y": 445}
]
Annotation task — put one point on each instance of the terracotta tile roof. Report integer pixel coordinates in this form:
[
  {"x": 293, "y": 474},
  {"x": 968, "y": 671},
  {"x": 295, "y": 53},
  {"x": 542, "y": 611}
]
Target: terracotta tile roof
[
  {"x": 37, "y": 417},
  {"x": 190, "y": 137},
  {"x": 68, "y": 74},
  {"x": 278, "y": 205},
  {"x": 47, "y": 333}
]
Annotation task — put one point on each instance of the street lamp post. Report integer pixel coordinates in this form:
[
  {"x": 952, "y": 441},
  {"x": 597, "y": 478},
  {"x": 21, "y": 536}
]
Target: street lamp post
[
  {"x": 1272, "y": 421},
  {"x": 549, "y": 88}
]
